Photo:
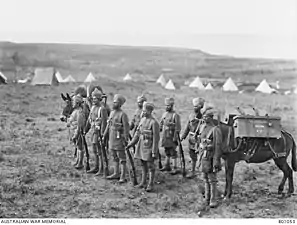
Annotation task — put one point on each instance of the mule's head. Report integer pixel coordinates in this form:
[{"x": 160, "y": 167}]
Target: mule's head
[{"x": 68, "y": 108}]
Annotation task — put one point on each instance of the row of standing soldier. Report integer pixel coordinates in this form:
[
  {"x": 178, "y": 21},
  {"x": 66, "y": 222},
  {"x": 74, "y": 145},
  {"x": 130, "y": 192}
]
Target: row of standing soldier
[{"x": 204, "y": 139}]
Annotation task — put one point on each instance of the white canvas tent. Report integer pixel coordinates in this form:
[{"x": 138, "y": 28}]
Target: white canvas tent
[
  {"x": 68, "y": 79},
  {"x": 209, "y": 87},
  {"x": 127, "y": 77},
  {"x": 44, "y": 76},
  {"x": 229, "y": 85},
  {"x": 170, "y": 85},
  {"x": 3, "y": 78},
  {"x": 197, "y": 84},
  {"x": 161, "y": 80},
  {"x": 264, "y": 87},
  {"x": 59, "y": 77},
  {"x": 90, "y": 78}
]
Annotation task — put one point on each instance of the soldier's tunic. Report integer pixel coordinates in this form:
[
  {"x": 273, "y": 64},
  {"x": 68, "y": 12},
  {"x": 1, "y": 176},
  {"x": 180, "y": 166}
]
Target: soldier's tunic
[
  {"x": 170, "y": 126},
  {"x": 97, "y": 120},
  {"x": 190, "y": 129},
  {"x": 210, "y": 136},
  {"x": 135, "y": 120},
  {"x": 118, "y": 129},
  {"x": 77, "y": 122},
  {"x": 148, "y": 136}
]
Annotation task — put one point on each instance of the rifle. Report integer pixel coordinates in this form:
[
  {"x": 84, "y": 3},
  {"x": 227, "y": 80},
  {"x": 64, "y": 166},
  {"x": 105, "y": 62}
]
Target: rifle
[
  {"x": 160, "y": 161},
  {"x": 104, "y": 153},
  {"x": 87, "y": 150},
  {"x": 181, "y": 151},
  {"x": 132, "y": 164}
]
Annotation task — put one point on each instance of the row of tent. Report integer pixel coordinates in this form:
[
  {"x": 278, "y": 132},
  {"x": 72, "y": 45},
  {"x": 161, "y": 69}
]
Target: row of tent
[
  {"x": 47, "y": 76},
  {"x": 229, "y": 85}
]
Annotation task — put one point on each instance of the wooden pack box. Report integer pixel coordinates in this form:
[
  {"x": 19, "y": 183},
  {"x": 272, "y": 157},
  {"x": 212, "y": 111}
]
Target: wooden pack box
[{"x": 257, "y": 126}]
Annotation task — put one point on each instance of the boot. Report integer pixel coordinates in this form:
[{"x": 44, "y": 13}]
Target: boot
[
  {"x": 150, "y": 186},
  {"x": 206, "y": 194},
  {"x": 175, "y": 170},
  {"x": 143, "y": 177},
  {"x": 80, "y": 165},
  {"x": 192, "y": 173},
  {"x": 166, "y": 167},
  {"x": 96, "y": 168},
  {"x": 213, "y": 195},
  {"x": 123, "y": 173},
  {"x": 100, "y": 170},
  {"x": 116, "y": 173}
]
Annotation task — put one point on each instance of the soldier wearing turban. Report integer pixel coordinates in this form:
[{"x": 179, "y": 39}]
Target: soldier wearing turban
[
  {"x": 192, "y": 126},
  {"x": 210, "y": 149},
  {"x": 147, "y": 137},
  {"x": 97, "y": 121},
  {"x": 170, "y": 127},
  {"x": 118, "y": 132},
  {"x": 77, "y": 122},
  {"x": 137, "y": 115}
]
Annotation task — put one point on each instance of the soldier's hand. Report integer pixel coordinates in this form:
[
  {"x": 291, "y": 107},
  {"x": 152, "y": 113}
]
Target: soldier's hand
[{"x": 154, "y": 156}]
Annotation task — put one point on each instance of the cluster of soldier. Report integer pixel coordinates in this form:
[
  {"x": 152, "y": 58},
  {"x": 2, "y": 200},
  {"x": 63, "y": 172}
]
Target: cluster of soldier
[{"x": 204, "y": 139}]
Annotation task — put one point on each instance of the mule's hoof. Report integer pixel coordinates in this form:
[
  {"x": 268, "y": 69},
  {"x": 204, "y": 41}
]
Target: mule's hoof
[{"x": 280, "y": 192}]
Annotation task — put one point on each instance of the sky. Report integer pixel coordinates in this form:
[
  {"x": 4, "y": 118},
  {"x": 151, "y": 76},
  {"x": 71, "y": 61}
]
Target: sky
[{"x": 252, "y": 28}]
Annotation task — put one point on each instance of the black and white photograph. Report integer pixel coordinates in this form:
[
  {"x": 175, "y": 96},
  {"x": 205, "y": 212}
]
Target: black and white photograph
[{"x": 148, "y": 109}]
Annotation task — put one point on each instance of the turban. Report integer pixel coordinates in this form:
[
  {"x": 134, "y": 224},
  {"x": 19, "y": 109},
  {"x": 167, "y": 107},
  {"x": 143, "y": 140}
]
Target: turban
[
  {"x": 97, "y": 94},
  {"x": 119, "y": 98},
  {"x": 78, "y": 99},
  {"x": 141, "y": 98},
  {"x": 148, "y": 106},
  {"x": 209, "y": 110},
  {"x": 92, "y": 87},
  {"x": 169, "y": 101},
  {"x": 81, "y": 90},
  {"x": 198, "y": 101}
]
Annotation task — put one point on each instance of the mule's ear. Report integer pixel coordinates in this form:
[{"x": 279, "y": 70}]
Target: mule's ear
[
  {"x": 63, "y": 97},
  {"x": 68, "y": 97}
]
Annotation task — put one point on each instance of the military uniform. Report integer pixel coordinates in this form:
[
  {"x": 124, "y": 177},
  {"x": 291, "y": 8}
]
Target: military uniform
[
  {"x": 147, "y": 137},
  {"x": 170, "y": 127},
  {"x": 118, "y": 132},
  {"x": 210, "y": 148},
  {"x": 191, "y": 129},
  {"x": 97, "y": 122},
  {"x": 77, "y": 122}
]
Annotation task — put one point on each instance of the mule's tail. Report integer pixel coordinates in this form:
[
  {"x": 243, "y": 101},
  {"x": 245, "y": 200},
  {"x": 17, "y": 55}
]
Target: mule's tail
[{"x": 294, "y": 160}]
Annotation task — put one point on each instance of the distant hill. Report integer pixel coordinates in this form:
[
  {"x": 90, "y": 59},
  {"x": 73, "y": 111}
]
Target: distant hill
[{"x": 116, "y": 61}]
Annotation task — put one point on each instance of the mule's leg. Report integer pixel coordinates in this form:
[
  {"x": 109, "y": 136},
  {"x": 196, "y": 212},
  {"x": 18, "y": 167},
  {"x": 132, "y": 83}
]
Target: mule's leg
[
  {"x": 288, "y": 173},
  {"x": 229, "y": 170}
]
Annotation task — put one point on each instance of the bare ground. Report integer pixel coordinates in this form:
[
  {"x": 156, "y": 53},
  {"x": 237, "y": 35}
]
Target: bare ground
[{"x": 37, "y": 178}]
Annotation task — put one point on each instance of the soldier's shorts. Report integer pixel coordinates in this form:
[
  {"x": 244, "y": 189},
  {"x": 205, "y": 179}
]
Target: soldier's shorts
[
  {"x": 210, "y": 177},
  {"x": 119, "y": 156},
  {"x": 171, "y": 152},
  {"x": 193, "y": 155}
]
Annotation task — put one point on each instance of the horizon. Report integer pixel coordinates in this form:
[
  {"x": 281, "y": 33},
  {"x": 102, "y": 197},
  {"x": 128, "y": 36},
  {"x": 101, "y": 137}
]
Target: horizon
[{"x": 236, "y": 28}]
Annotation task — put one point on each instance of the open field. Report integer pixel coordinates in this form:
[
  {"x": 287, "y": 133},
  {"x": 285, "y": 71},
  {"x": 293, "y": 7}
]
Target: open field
[{"x": 37, "y": 178}]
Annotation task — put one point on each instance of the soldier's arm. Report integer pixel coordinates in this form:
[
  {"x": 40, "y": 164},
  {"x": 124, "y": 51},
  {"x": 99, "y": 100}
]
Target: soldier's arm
[
  {"x": 186, "y": 131},
  {"x": 156, "y": 137},
  {"x": 88, "y": 124},
  {"x": 217, "y": 144},
  {"x": 136, "y": 136},
  {"x": 80, "y": 125},
  {"x": 106, "y": 131},
  {"x": 177, "y": 126},
  {"x": 162, "y": 121},
  {"x": 125, "y": 122},
  {"x": 104, "y": 118}
]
